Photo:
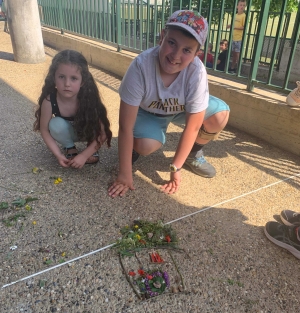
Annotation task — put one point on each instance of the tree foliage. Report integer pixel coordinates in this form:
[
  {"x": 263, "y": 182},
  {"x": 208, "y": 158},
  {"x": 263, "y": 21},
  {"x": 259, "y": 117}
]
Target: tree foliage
[{"x": 275, "y": 5}]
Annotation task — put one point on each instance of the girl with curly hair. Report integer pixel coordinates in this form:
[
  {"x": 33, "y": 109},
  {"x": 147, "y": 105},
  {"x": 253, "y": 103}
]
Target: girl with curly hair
[{"x": 70, "y": 110}]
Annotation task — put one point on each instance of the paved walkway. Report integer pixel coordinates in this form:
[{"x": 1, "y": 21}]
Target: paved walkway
[{"x": 232, "y": 266}]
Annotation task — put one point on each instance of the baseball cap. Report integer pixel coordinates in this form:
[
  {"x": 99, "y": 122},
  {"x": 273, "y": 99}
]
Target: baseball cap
[{"x": 192, "y": 22}]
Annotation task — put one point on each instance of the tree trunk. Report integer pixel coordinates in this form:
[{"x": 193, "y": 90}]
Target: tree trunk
[{"x": 25, "y": 31}]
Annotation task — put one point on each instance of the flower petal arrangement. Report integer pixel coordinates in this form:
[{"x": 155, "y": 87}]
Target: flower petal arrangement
[
  {"x": 148, "y": 271},
  {"x": 144, "y": 234},
  {"x": 152, "y": 283}
]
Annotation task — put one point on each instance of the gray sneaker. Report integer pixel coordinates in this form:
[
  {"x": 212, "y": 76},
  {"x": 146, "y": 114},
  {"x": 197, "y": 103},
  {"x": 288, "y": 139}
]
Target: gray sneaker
[
  {"x": 200, "y": 166},
  {"x": 284, "y": 237},
  {"x": 290, "y": 218}
]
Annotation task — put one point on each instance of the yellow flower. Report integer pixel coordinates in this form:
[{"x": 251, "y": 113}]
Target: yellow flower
[
  {"x": 63, "y": 254},
  {"x": 138, "y": 237},
  {"x": 56, "y": 182},
  {"x": 59, "y": 179},
  {"x": 35, "y": 170},
  {"x": 34, "y": 222},
  {"x": 136, "y": 226},
  {"x": 27, "y": 207}
]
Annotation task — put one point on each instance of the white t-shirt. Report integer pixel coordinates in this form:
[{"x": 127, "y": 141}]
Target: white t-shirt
[{"x": 142, "y": 86}]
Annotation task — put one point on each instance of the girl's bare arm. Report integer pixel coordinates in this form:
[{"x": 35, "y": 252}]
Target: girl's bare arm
[{"x": 124, "y": 181}]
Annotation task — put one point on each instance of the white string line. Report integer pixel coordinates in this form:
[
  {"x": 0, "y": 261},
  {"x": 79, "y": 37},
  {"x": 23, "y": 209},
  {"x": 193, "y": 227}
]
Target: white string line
[
  {"x": 178, "y": 219},
  {"x": 232, "y": 199},
  {"x": 58, "y": 265}
]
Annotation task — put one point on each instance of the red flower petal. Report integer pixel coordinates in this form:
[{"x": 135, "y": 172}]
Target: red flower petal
[
  {"x": 168, "y": 238},
  {"x": 131, "y": 273},
  {"x": 141, "y": 272}
]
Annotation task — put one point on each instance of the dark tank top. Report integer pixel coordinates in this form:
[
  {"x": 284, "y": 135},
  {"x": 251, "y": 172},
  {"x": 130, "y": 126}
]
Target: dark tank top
[{"x": 55, "y": 108}]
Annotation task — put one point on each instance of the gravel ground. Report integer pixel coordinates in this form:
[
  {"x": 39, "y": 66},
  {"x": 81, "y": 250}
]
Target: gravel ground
[{"x": 230, "y": 267}]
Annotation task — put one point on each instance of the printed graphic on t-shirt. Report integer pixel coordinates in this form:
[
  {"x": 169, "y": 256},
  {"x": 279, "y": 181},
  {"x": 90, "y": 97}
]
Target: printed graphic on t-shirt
[{"x": 168, "y": 106}]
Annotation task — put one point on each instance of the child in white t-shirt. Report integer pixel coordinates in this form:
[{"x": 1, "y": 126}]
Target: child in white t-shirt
[{"x": 164, "y": 84}]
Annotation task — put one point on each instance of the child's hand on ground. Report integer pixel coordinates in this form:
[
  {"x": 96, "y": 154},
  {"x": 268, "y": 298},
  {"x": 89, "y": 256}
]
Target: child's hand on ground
[
  {"x": 173, "y": 185},
  {"x": 120, "y": 187},
  {"x": 78, "y": 161},
  {"x": 63, "y": 161}
]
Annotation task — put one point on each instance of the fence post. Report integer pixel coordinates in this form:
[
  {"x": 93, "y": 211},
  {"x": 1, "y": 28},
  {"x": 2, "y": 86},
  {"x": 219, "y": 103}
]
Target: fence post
[
  {"x": 294, "y": 41},
  {"x": 61, "y": 20},
  {"x": 259, "y": 40},
  {"x": 118, "y": 18}
]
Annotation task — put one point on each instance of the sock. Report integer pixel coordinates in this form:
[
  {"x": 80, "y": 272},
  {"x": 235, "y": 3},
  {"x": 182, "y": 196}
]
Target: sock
[{"x": 196, "y": 148}]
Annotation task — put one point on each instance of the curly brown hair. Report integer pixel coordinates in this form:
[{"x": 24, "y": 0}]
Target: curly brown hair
[{"x": 91, "y": 109}]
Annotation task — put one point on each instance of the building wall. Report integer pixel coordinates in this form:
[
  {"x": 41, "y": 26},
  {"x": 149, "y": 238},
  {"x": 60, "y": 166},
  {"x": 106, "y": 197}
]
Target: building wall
[{"x": 262, "y": 114}]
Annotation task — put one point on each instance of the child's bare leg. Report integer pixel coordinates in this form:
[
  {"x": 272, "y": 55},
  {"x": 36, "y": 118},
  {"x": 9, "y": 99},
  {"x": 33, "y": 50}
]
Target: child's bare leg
[
  {"x": 94, "y": 158},
  {"x": 214, "y": 124},
  {"x": 235, "y": 59},
  {"x": 217, "y": 118},
  {"x": 146, "y": 146}
]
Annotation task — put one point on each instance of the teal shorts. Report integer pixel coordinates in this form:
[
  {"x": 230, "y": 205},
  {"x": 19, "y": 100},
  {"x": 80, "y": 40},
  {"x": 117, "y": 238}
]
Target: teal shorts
[{"x": 151, "y": 126}]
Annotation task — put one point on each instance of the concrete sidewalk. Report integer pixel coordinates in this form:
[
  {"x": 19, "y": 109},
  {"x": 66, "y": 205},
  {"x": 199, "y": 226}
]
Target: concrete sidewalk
[{"x": 232, "y": 265}]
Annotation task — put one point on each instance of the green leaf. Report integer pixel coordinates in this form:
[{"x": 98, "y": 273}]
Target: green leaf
[
  {"x": 48, "y": 262},
  {"x": 3, "y": 205},
  {"x": 30, "y": 199},
  {"x": 19, "y": 202},
  {"x": 126, "y": 253}
]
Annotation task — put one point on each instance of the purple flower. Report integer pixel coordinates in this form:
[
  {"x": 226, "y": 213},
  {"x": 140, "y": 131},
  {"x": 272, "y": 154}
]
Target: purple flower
[{"x": 166, "y": 278}]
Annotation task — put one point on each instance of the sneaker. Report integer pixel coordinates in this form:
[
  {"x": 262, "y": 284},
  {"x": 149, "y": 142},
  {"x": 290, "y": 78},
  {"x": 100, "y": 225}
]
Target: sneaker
[
  {"x": 293, "y": 99},
  {"x": 284, "y": 237},
  {"x": 290, "y": 218},
  {"x": 200, "y": 166},
  {"x": 135, "y": 156}
]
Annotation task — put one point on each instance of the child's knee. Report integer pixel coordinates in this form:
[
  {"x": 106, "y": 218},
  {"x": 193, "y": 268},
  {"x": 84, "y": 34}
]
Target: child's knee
[{"x": 58, "y": 126}]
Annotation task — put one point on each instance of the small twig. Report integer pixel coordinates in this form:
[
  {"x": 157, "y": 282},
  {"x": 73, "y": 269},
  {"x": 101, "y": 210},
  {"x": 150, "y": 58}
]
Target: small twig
[
  {"x": 138, "y": 259},
  {"x": 128, "y": 279},
  {"x": 177, "y": 269}
]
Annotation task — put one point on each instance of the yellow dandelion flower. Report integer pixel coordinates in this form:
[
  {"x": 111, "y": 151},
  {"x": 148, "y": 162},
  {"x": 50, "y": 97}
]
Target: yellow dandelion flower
[
  {"x": 59, "y": 179},
  {"x": 56, "y": 182},
  {"x": 63, "y": 254},
  {"x": 136, "y": 226},
  {"x": 138, "y": 237},
  {"x": 27, "y": 207},
  {"x": 34, "y": 222}
]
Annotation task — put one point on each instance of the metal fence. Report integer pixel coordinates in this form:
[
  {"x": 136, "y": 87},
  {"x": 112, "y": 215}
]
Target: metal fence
[{"x": 270, "y": 46}]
